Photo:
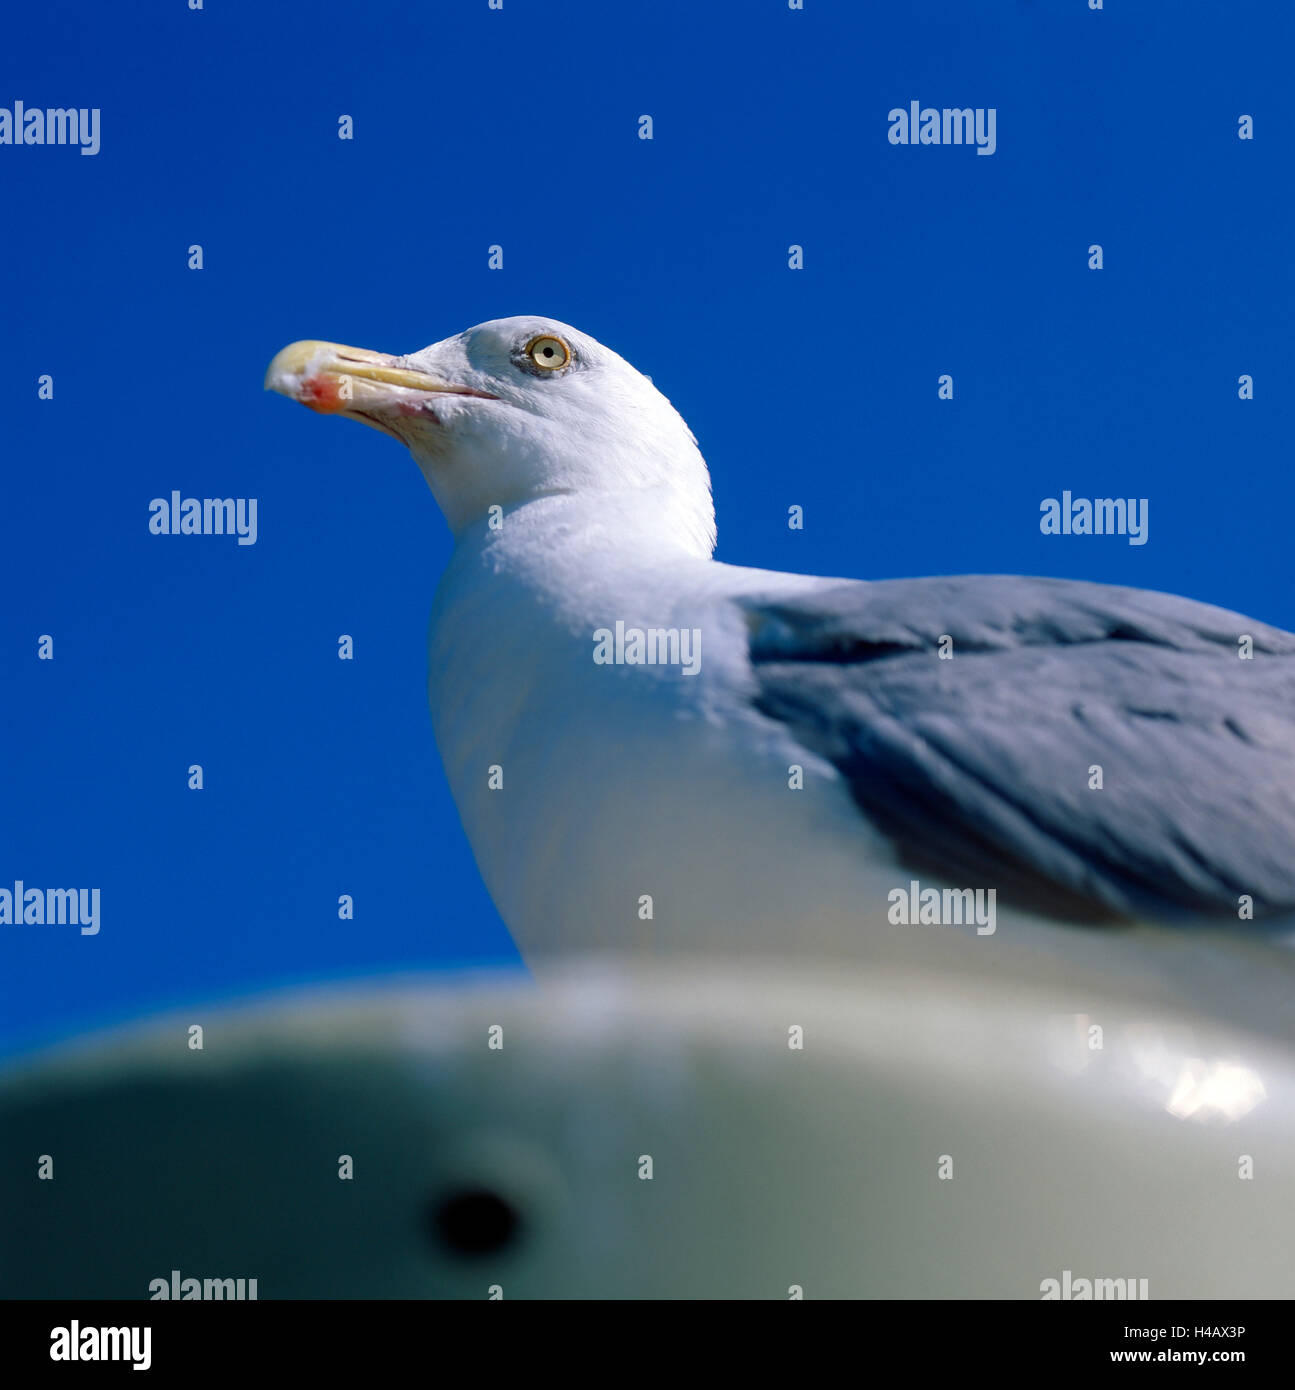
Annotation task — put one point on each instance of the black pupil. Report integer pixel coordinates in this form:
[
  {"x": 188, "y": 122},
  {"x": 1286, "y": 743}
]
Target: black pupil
[
  {"x": 475, "y": 1222},
  {"x": 548, "y": 352}
]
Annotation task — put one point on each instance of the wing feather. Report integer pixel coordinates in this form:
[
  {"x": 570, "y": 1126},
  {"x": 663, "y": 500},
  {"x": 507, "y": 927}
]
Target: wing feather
[{"x": 980, "y": 763}]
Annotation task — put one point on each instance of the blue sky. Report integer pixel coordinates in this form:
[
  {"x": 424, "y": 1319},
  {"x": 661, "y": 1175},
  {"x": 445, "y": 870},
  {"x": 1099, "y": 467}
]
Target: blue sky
[{"x": 815, "y": 387}]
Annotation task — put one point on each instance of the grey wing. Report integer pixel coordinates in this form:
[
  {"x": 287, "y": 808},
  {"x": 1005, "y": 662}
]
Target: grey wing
[{"x": 1088, "y": 749}]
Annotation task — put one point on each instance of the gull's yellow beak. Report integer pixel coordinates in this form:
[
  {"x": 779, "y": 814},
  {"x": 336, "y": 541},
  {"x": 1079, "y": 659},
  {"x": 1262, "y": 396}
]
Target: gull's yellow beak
[{"x": 337, "y": 380}]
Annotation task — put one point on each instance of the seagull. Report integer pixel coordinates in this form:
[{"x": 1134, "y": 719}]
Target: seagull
[{"x": 652, "y": 751}]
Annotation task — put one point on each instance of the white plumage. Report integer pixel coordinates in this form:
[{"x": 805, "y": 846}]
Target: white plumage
[{"x": 837, "y": 741}]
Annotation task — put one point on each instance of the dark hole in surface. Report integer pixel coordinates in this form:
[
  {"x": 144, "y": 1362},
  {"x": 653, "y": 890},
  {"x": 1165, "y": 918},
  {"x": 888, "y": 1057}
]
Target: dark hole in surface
[{"x": 475, "y": 1221}]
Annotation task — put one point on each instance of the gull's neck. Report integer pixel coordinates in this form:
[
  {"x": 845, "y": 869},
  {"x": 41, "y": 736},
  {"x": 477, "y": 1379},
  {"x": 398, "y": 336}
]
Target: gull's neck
[{"x": 645, "y": 524}]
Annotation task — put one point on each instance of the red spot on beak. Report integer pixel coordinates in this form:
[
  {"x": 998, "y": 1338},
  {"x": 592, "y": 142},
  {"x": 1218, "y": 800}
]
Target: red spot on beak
[{"x": 321, "y": 393}]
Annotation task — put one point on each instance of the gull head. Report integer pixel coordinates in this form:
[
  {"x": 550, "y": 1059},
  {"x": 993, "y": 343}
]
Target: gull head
[{"x": 515, "y": 410}]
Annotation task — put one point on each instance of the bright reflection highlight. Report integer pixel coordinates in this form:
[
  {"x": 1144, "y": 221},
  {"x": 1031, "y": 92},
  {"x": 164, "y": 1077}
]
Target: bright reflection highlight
[{"x": 1205, "y": 1090}]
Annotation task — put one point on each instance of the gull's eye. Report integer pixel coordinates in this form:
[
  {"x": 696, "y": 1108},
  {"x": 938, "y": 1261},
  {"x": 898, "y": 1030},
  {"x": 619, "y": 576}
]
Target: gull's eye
[{"x": 547, "y": 353}]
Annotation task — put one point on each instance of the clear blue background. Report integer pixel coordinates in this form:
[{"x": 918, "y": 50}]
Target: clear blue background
[{"x": 816, "y": 387}]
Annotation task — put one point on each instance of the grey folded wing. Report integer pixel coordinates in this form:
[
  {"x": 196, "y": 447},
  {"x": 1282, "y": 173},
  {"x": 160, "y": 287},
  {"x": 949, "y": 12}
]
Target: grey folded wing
[{"x": 1089, "y": 750}]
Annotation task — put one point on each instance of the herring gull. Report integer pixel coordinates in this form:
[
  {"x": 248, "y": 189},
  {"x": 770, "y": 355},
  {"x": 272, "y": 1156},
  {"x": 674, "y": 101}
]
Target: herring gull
[{"x": 653, "y": 751}]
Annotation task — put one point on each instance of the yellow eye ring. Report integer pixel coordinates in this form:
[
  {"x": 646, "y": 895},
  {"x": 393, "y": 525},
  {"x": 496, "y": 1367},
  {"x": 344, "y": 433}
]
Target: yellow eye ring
[{"x": 548, "y": 353}]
